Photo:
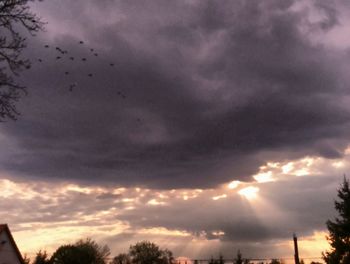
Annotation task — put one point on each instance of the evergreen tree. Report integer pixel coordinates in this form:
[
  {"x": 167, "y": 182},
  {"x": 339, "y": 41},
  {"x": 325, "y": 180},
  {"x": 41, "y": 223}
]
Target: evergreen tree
[
  {"x": 221, "y": 259},
  {"x": 239, "y": 259},
  {"x": 339, "y": 229},
  {"x": 211, "y": 261}
]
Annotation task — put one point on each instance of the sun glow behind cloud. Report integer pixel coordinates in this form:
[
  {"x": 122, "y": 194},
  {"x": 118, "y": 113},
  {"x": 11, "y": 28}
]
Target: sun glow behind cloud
[
  {"x": 155, "y": 202},
  {"x": 221, "y": 196},
  {"x": 305, "y": 166},
  {"x": 164, "y": 232},
  {"x": 263, "y": 177},
  {"x": 250, "y": 192},
  {"x": 233, "y": 184}
]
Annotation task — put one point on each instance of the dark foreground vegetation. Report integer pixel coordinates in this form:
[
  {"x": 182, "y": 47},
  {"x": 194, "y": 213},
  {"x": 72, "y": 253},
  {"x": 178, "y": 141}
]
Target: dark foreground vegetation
[
  {"x": 89, "y": 252},
  {"x": 15, "y": 19}
]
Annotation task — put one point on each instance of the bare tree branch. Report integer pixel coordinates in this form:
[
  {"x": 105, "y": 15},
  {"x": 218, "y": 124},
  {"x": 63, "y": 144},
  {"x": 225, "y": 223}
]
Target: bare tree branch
[{"x": 13, "y": 15}]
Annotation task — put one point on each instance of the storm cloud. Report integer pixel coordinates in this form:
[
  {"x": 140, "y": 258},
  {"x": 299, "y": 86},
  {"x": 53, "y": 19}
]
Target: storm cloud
[{"x": 207, "y": 88}]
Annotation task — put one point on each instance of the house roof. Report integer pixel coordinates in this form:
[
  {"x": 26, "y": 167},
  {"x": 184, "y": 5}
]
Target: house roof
[{"x": 5, "y": 228}]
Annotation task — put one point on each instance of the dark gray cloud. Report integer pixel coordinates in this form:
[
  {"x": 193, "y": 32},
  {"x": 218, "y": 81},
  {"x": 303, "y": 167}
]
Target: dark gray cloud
[{"x": 208, "y": 87}]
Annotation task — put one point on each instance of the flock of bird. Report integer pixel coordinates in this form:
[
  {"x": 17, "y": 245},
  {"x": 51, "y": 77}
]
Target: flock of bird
[
  {"x": 61, "y": 54},
  {"x": 64, "y": 55}
]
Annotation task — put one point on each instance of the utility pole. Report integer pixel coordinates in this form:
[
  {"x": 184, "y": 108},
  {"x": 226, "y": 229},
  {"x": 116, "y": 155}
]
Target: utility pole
[{"x": 296, "y": 251}]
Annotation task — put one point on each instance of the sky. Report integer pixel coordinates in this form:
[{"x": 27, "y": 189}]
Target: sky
[{"x": 203, "y": 126}]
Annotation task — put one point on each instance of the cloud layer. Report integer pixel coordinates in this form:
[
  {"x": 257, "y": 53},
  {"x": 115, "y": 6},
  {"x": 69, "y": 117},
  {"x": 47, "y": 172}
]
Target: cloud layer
[
  {"x": 212, "y": 90},
  {"x": 189, "y": 222}
]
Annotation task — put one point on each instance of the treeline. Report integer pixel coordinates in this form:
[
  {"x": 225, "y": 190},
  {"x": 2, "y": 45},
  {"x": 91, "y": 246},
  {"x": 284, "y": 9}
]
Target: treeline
[
  {"x": 240, "y": 260},
  {"x": 89, "y": 252}
]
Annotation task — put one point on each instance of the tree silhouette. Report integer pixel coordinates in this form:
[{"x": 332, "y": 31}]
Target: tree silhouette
[
  {"x": 83, "y": 252},
  {"x": 14, "y": 15},
  {"x": 276, "y": 261},
  {"x": 339, "y": 229},
  {"x": 239, "y": 259},
  {"x": 212, "y": 261},
  {"x": 121, "y": 259},
  {"x": 146, "y": 252},
  {"x": 41, "y": 258},
  {"x": 66, "y": 254},
  {"x": 221, "y": 259},
  {"x": 26, "y": 260}
]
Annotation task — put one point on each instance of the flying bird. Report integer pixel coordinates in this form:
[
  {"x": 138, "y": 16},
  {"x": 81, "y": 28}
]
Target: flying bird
[
  {"x": 61, "y": 56},
  {"x": 122, "y": 95},
  {"x": 71, "y": 86},
  {"x": 61, "y": 51}
]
